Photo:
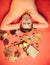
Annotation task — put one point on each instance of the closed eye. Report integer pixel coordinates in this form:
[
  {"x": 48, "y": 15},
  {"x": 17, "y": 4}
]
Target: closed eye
[
  {"x": 24, "y": 23},
  {"x": 28, "y": 23}
]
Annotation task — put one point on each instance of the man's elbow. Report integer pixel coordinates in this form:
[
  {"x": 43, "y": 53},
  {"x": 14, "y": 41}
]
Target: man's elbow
[
  {"x": 2, "y": 27},
  {"x": 47, "y": 25}
]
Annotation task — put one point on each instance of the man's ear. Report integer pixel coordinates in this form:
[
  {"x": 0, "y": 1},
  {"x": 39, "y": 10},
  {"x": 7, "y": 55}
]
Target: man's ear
[{"x": 20, "y": 22}]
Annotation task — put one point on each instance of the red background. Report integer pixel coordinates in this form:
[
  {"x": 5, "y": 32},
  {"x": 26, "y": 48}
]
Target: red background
[{"x": 43, "y": 57}]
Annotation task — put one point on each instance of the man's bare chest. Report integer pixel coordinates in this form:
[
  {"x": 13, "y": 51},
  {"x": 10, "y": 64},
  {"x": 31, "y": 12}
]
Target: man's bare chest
[{"x": 22, "y": 3}]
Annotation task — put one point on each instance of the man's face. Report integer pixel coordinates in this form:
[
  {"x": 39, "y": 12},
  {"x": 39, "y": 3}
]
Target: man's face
[{"x": 26, "y": 22}]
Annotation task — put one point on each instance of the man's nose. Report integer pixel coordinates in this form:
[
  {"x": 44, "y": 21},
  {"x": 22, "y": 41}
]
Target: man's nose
[
  {"x": 26, "y": 18},
  {"x": 26, "y": 23}
]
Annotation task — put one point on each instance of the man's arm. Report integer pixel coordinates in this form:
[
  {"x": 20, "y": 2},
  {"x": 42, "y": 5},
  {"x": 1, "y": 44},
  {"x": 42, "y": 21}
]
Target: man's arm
[
  {"x": 42, "y": 23},
  {"x": 5, "y": 25},
  {"x": 11, "y": 27}
]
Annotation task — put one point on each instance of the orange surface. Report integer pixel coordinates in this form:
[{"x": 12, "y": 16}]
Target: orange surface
[{"x": 43, "y": 57}]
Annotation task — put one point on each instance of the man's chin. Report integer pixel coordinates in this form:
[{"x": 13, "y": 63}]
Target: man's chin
[{"x": 25, "y": 30}]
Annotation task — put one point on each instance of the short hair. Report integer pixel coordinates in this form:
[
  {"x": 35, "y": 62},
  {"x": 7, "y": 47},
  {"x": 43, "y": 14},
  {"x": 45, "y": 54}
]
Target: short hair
[
  {"x": 25, "y": 30},
  {"x": 25, "y": 14}
]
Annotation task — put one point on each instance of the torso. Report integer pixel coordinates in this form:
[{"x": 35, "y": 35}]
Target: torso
[{"x": 22, "y": 4}]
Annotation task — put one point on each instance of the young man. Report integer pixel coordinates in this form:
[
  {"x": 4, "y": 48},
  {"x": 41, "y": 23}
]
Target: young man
[
  {"x": 26, "y": 24},
  {"x": 17, "y": 9}
]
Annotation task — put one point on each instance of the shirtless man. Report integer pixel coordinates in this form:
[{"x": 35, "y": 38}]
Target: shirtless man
[
  {"x": 17, "y": 9},
  {"x": 26, "y": 24}
]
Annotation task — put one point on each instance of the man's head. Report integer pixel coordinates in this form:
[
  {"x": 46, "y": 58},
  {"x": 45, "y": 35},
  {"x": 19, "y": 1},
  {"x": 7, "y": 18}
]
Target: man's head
[{"x": 26, "y": 23}]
